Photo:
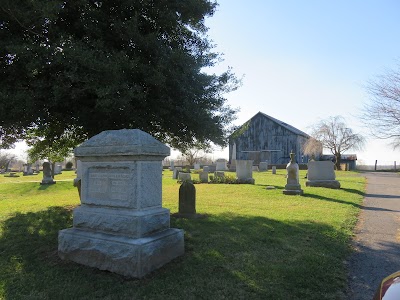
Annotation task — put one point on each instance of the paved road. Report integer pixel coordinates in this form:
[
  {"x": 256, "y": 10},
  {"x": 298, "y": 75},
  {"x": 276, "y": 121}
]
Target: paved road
[{"x": 377, "y": 240}]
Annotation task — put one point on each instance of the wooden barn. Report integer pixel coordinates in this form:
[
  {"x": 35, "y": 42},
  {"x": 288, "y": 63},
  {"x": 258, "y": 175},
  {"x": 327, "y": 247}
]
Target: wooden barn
[{"x": 265, "y": 138}]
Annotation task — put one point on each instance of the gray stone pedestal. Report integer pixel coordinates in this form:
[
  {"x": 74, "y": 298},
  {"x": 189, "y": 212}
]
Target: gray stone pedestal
[
  {"x": 120, "y": 225},
  {"x": 292, "y": 187}
]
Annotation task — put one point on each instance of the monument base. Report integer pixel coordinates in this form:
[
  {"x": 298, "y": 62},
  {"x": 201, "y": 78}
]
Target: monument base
[
  {"x": 331, "y": 184},
  {"x": 120, "y": 254},
  {"x": 47, "y": 182},
  {"x": 293, "y": 192}
]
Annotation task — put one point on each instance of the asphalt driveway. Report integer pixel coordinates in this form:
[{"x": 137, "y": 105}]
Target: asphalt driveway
[{"x": 377, "y": 239}]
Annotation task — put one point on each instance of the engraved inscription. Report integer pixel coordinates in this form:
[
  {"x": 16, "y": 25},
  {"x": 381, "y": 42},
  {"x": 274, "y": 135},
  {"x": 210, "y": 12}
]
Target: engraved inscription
[{"x": 108, "y": 185}]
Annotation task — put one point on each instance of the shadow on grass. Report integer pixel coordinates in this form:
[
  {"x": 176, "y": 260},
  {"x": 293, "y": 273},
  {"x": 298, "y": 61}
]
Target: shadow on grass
[{"x": 227, "y": 256}]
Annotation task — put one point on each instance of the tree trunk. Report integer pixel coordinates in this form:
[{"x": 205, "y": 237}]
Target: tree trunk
[
  {"x": 337, "y": 163},
  {"x": 53, "y": 165}
]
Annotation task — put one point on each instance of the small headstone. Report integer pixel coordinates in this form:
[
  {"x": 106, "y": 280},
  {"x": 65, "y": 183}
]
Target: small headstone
[
  {"x": 57, "y": 169},
  {"x": 244, "y": 171},
  {"x": 322, "y": 174},
  {"x": 47, "y": 179},
  {"x": 221, "y": 165},
  {"x": 206, "y": 169},
  {"x": 176, "y": 172},
  {"x": 187, "y": 199},
  {"x": 172, "y": 165},
  {"x": 219, "y": 174},
  {"x": 184, "y": 176},
  {"x": 273, "y": 169},
  {"x": 255, "y": 168},
  {"x": 197, "y": 166},
  {"x": 25, "y": 169},
  {"x": 203, "y": 176},
  {"x": 293, "y": 186},
  {"x": 263, "y": 166}
]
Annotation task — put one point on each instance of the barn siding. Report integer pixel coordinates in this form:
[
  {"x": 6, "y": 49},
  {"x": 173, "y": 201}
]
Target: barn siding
[{"x": 263, "y": 133}]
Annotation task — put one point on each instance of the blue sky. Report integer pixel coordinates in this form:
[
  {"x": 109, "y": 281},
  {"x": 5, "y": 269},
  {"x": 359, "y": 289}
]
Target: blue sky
[{"x": 304, "y": 61}]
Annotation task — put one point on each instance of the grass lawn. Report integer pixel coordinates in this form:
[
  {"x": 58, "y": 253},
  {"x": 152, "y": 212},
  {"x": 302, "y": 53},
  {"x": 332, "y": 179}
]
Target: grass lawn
[{"x": 254, "y": 244}]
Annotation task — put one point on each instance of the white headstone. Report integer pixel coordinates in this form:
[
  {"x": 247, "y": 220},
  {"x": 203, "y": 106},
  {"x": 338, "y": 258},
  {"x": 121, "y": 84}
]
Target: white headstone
[
  {"x": 244, "y": 170},
  {"x": 221, "y": 165},
  {"x": 203, "y": 176},
  {"x": 273, "y": 169},
  {"x": 197, "y": 166},
  {"x": 321, "y": 174},
  {"x": 172, "y": 165},
  {"x": 121, "y": 225}
]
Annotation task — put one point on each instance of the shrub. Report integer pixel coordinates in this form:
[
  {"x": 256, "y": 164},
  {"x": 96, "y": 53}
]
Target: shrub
[{"x": 69, "y": 165}]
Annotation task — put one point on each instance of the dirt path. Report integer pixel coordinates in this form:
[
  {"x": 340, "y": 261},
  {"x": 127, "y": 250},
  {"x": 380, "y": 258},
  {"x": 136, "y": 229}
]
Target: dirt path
[{"x": 377, "y": 240}]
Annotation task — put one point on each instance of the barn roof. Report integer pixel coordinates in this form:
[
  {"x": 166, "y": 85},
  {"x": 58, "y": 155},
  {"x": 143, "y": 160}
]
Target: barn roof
[{"x": 283, "y": 124}]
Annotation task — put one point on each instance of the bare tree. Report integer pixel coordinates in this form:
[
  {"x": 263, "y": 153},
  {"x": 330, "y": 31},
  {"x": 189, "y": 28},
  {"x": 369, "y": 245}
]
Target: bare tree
[
  {"x": 335, "y": 136},
  {"x": 381, "y": 114},
  {"x": 312, "y": 147},
  {"x": 5, "y": 159}
]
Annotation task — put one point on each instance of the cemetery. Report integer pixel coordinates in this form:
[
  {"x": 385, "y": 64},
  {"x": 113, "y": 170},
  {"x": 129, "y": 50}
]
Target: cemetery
[{"x": 134, "y": 231}]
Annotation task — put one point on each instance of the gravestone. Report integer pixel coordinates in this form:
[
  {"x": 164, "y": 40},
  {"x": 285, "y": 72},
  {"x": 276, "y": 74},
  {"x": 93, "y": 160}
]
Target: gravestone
[
  {"x": 175, "y": 173},
  {"x": 206, "y": 169},
  {"x": 30, "y": 170},
  {"x": 244, "y": 171},
  {"x": 273, "y": 169},
  {"x": 293, "y": 186},
  {"x": 221, "y": 165},
  {"x": 196, "y": 166},
  {"x": 232, "y": 166},
  {"x": 322, "y": 174},
  {"x": 57, "y": 169},
  {"x": 263, "y": 166},
  {"x": 187, "y": 199},
  {"x": 172, "y": 165},
  {"x": 47, "y": 179},
  {"x": 219, "y": 174},
  {"x": 121, "y": 225},
  {"x": 184, "y": 176},
  {"x": 203, "y": 177},
  {"x": 255, "y": 168}
]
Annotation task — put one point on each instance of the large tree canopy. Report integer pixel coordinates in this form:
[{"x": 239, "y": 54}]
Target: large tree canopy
[
  {"x": 381, "y": 113},
  {"x": 334, "y": 135},
  {"x": 87, "y": 66}
]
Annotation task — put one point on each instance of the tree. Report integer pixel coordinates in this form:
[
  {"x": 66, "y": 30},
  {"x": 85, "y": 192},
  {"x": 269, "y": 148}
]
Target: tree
[
  {"x": 335, "y": 136},
  {"x": 51, "y": 149},
  {"x": 382, "y": 112},
  {"x": 87, "y": 66},
  {"x": 312, "y": 147},
  {"x": 5, "y": 159}
]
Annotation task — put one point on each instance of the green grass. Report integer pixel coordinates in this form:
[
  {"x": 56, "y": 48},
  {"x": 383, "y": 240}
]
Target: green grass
[{"x": 254, "y": 244}]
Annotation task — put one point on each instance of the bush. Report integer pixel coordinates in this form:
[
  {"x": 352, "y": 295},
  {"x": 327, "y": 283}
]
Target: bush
[{"x": 69, "y": 165}]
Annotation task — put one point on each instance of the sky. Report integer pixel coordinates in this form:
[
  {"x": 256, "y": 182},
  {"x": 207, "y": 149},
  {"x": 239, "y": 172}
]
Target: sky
[{"x": 304, "y": 61}]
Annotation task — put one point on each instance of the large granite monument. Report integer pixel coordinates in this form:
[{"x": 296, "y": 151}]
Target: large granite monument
[
  {"x": 322, "y": 174},
  {"x": 120, "y": 225}
]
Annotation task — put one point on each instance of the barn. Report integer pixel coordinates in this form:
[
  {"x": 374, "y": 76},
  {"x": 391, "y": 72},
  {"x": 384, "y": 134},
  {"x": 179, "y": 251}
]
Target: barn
[{"x": 264, "y": 138}]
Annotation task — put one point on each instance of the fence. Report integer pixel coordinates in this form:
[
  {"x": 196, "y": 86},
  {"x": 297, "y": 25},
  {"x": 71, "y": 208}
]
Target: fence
[{"x": 378, "y": 165}]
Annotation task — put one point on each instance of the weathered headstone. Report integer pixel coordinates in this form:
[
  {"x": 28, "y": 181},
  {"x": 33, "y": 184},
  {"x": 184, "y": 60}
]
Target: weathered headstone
[
  {"x": 206, "y": 169},
  {"x": 175, "y": 173},
  {"x": 187, "y": 199},
  {"x": 273, "y": 169},
  {"x": 57, "y": 169},
  {"x": 244, "y": 171},
  {"x": 322, "y": 174},
  {"x": 196, "y": 166},
  {"x": 171, "y": 165},
  {"x": 221, "y": 165},
  {"x": 263, "y": 166},
  {"x": 47, "y": 179},
  {"x": 121, "y": 225},
  {"x": 182, "y": 176},
  {"x": 203, "y": 176},
  {"x": 255, "y": 168},
  {"x": 293, "y": 186},
  {"x": 219, "y": 174}
]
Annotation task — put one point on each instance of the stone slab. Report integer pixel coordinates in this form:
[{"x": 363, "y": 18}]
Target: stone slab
[
  {"x": 331, "y": 184},
  {"x": 121, "y": 221},
  {"x": 320, "y": 170},
  {"x": 126, "y": 256},
  {"x": 293, "y": 192}
]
